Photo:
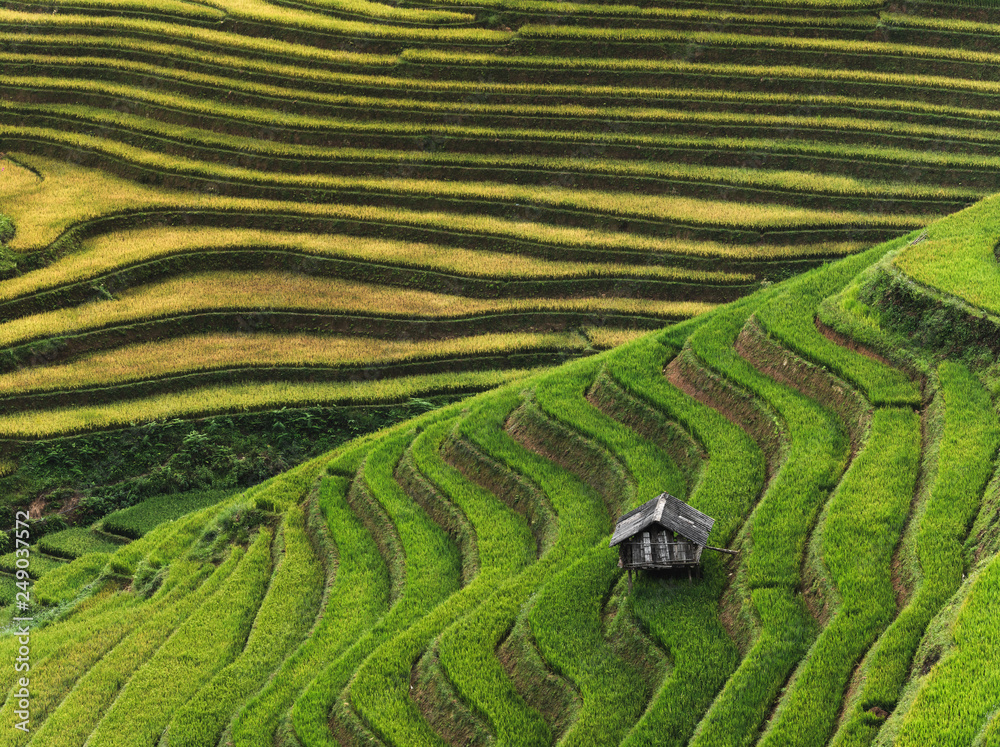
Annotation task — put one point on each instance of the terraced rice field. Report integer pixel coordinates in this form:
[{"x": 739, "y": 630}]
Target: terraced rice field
[
  {"x": 479, "y": 190},
  {"x": 449, "y": 581},
  {"x": 725, "y": 222}
]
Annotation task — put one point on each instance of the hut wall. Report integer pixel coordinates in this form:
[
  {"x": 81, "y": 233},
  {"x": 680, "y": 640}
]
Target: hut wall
[{"x": 657, "y": 547}]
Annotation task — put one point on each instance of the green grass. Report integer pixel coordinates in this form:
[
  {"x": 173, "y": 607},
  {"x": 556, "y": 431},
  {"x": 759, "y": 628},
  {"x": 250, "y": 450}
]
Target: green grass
[
  {"x": 969, "y": 439},
  {"x": 777, "y": 531},
  {"x": 957, "y": 258},
  {"x": 468, "y": 648},
  {"x": 58, "y": 674},
  {"x": 861, "y": 526},
  {"x": 38, "y": 564},
  {"x": 188, "y": 586},
  {"x": 285, "y": 616},
  {"x": 681, "y": 617},
  {"x": 566, "y": 623},
  {"x": 991, "y": 733},
  {"x": 135, "y": 521},
  {"x": 64, "y": 583},
  {"x": 581, "y": 510},
  {"x": 165, "y": 542},
  {"x": 507, "y": 554},
  {"x": 958, "y": 697},
  {"x": 388, "y": 610},
  {"x": 432, "y": 574},
  {"x": 504, "y": 547},
  {"x": 614, "y": 690},
  {"x": 97, "y": 612},
  {"x": 683, "y": 621},
  {"x": 356, "y": 599},
  {"x": 563, "y": 398},
  {"x": 7, "y": 590},
  {"x": 203, "y": 644},
  {"x": 72, "y": 543},
  {"x": 790, "y": 318}
]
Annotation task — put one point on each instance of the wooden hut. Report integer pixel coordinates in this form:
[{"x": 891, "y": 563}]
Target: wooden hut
[{"x": 662, "y": 533}]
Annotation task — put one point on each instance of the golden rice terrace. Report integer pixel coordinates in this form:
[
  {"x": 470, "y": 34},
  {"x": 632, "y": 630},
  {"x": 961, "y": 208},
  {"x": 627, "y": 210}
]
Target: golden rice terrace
[{"x": 320, "y": 202}]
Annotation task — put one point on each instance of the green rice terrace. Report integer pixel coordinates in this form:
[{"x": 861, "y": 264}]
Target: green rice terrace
[{"x": 336, "y": 335}]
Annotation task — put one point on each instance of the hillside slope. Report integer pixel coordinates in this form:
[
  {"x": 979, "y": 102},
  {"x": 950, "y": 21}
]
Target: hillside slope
[
  {"x": 448, "y": 581},
  {"x": 244, "y": 205}
]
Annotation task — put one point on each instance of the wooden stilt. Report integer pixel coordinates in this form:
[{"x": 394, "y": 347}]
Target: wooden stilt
[{"x": 630, "y": 579}]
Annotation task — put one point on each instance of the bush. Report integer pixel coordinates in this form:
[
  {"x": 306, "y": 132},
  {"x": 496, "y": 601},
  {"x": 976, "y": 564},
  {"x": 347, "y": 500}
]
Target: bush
[{"x": 7, "y": 229}]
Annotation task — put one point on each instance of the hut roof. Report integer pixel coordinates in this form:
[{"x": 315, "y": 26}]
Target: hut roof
[{"x": 668, "y": 511}]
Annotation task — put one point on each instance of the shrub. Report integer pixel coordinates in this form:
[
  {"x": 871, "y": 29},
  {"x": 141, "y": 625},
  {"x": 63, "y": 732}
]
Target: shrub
[{"x": 6, "y": 229}]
